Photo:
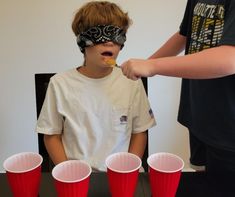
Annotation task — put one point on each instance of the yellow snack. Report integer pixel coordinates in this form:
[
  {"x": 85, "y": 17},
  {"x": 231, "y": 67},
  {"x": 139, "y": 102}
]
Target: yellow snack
[{"x": 111, "y": 62}]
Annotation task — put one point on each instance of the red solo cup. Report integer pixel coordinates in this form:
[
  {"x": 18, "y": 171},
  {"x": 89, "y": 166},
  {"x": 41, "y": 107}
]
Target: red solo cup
[
  {"x": 72, "y": 178},
  {"x": 123, "y": 170},
  {"x": 164, "y": 173},
  {"x": 23, "y": 172}
]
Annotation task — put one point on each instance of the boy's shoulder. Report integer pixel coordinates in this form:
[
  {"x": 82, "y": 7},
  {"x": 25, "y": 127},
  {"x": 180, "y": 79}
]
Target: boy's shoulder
[{"x": 64, "y": 74}]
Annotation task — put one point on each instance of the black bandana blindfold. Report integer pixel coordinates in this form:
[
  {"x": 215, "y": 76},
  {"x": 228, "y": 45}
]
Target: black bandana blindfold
[{"x": 101, "y": 34}]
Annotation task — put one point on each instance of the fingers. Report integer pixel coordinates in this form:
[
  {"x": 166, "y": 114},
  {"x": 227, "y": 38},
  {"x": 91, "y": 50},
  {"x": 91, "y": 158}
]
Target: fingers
[
  {"x": 128, "y": 70},
  {"x": 134, "y": 78}
]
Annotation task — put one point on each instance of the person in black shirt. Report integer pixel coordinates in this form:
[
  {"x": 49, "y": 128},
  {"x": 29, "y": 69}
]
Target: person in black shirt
[{"x": 207, "y": 103}]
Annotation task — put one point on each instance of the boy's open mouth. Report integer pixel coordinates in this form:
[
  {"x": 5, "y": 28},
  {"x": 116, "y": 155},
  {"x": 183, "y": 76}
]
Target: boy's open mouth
[{"x": 107, "y": 53}]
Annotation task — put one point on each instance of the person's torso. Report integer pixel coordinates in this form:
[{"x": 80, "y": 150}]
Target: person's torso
[{"x": 208, "y": 106}]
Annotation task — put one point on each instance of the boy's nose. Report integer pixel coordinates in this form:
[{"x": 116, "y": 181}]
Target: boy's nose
[{"x": 110, "y": 43}]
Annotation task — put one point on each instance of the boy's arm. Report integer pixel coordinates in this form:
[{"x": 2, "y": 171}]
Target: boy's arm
[
  {"x": 55, "y": 148},
  {"x": 138, "y": 143},
  {"x": 210, "y": 63},
  {"x": 172, "y": 47}
]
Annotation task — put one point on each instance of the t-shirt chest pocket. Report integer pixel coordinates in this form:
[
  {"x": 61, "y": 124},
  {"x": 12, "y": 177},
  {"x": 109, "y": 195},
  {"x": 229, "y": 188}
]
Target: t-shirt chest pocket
[{"x": 120, "y": 119}]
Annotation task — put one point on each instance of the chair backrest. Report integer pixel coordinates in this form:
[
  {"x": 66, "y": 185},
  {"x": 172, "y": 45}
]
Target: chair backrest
[
  {"x": 41, "y": 83},
  {"x": 146, "y": 152}
]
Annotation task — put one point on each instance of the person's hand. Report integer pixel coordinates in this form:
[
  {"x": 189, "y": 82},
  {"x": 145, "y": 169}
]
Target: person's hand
[{"x": 136, "y": 68}]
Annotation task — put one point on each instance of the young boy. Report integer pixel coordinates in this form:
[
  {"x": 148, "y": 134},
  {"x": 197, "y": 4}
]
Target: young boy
[
  {"x": 93, "y": 111},
  {"x": 207, "y": 105}
]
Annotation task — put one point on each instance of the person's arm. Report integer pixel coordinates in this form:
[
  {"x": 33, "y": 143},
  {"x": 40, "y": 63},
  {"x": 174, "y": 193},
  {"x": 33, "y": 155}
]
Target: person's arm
[
  {"x": 174, "y": 46},
  {"x": 138, "y": 143},
  {"x": 55, "y": 148},
  {"x": 210, "y": 63}
]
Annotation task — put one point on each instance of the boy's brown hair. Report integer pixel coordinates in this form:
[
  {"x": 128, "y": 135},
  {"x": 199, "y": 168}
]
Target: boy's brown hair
[{"x": 99, "y": 13}]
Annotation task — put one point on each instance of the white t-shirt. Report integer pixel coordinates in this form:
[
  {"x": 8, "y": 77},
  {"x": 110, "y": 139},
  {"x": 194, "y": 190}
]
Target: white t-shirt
[{"x": 96, "y": 117}]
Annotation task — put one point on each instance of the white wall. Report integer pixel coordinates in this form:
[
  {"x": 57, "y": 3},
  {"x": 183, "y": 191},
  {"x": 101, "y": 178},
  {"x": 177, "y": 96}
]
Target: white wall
[{"x": 35, "y": 36}]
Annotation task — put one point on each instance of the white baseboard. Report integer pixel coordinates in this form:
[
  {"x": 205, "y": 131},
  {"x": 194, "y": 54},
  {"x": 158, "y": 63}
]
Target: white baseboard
[{"x": 188, "y": 170}]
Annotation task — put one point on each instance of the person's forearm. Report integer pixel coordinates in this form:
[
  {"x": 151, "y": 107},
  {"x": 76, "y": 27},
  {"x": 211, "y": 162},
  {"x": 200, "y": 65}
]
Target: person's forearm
[
  {"x": 211, "y": 63},
  {"x": 55, "y": 148},
  {"x": 174, "y": 46},
  {"x": 138, "y": 144}
]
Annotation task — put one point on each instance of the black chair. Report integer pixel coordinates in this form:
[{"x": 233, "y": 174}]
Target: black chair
[
  {"x": 146, "y": 152},
  {"x": 41, "y": 83}
]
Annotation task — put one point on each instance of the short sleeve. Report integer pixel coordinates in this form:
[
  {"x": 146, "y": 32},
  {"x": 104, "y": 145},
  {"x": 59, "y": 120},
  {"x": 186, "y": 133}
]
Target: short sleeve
[
  {"x": 50, "y": 121},
  {"x": 143, "y": 117},
  {"x": 228, "y": 37},
  {"x": 185, "y": 22}
]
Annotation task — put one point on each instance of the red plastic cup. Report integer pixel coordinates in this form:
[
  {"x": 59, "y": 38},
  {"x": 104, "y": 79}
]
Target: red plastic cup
[
  {"x": 123, "y": 170},
  {"x": 23, "y": 172},
  {"x": 72, "y": 178},
  {"x": 164, "y": 173}
]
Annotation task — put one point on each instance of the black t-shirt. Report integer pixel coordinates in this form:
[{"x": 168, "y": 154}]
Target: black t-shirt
[{"x": 207, "y": 107}]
